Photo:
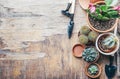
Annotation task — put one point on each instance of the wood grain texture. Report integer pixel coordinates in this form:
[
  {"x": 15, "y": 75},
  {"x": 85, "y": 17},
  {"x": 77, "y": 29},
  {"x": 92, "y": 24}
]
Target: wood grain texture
[{"x": 34, "y": 42}]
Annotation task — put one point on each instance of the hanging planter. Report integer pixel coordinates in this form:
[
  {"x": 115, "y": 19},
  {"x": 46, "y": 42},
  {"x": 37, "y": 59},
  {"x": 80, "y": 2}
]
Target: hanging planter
[{"x": 102, "y": 18}]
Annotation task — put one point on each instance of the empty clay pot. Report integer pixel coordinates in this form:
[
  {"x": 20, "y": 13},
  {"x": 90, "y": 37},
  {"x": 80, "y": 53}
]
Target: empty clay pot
[{"x": 78, "y": 50}]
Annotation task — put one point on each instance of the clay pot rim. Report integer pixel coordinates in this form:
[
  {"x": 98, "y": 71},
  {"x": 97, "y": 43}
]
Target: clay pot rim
[
  {"x": 104, "y": 53},
  {"x": 84, "y": 8},
  {"x": 99, "y": 73},
  {"x": 83, "y": 46},
  {"x": 100, "y": 31},
  {"x": 97, "y": 56}
]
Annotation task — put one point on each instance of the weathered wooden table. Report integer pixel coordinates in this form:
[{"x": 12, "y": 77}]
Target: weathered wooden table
[{"x": 34, "y": 42}]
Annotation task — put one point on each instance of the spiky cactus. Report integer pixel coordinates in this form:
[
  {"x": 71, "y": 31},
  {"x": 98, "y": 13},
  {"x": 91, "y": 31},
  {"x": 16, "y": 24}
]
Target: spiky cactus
[
  {"x": 83, "y": 39},
  {"x": 92, "y": 36},
  {"x": 93, "y": 70},
  {"x": 85, "y": 30},
  {"x": 90, "y": 54},
  {"x": 109, "y": 42}
]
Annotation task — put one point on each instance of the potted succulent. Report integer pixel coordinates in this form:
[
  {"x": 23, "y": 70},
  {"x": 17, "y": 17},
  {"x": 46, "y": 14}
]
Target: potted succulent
[
  {"x": 107, "y": 43},
  {"x": 90, "y": 54},
  {"x": 93, "y": 70},
  {"x": 102, "y": 17}
]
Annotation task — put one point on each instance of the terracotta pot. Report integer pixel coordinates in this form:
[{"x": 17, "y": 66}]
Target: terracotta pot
[
  {"x": 96, "y": 76},
  {"x": 92, "y": 28},
  {"x": 107, "y": 52},
  {"x": 84, "y": 3},
  {"x": 78, "y": 50},
  {"x": 94, "y": 1}
]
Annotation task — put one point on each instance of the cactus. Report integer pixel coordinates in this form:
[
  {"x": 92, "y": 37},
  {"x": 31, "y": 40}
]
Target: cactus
[
  {"x": 90, "y": 54},
  {"x": 109, "y": 42},
  {"x": 85, "y": 30},
  {"x": 93, "y": 70},
  {"x": 92, "y": 36},
  {"x": 83, "y": 39}
]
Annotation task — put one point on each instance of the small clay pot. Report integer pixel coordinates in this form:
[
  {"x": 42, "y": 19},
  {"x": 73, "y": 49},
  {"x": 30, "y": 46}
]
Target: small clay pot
[
  {"x": 98, "y": 74},
  {"x": 100, "y": 31},
  {"x": 78, "y": 50}
]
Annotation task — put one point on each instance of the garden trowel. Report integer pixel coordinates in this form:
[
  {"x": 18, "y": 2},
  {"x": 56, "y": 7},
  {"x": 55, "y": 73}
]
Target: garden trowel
[
  {"x": 71, "y": 23},
  {"x": 110, "y": 70}
]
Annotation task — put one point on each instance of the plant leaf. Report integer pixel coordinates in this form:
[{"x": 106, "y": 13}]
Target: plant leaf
[
  {"x": 114, "y": 2},
  {"x": 108, "y": 2},
  {"x": 104, "y": 8}
]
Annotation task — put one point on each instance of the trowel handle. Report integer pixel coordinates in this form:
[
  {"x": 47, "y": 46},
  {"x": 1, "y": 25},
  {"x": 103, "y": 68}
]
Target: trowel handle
[
  {"x": 111, "y": 58},
  {"x": 73, "y": 7},
  {"x": 68, "y": 6}
]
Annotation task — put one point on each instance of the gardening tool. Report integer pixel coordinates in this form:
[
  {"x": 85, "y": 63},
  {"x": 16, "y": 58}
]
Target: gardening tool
[
  {"x": 71, "y": 23},
  {"x": 66, "y": 11},
  {"x": 110, "y": 70}
]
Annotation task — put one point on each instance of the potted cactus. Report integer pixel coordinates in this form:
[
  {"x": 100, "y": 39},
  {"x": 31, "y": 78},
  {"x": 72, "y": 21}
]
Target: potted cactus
[
  {"x": 83, "y": 39},
  {"x": 90, "y": 54},
  {"x": 93, "y": 70},
  {"x": 92, "y": 36},
  {"x": 87, "y": 36},
  {"x": 107, "y": 43},
  {"x": 102, "y": 17},
  {"x": 85, "y": 30}
]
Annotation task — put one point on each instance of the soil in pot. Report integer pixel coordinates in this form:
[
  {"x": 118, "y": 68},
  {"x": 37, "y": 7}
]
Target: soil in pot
[{"x": 102, "y": 25}]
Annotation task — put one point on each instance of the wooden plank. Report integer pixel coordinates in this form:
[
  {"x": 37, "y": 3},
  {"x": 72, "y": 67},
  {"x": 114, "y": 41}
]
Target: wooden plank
[{"x": 34, "y": 43}]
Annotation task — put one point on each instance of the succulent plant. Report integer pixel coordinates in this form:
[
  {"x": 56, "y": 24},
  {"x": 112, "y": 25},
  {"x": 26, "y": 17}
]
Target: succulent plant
[
  {"x": 83, "y": 39},
  {"x": 93, "y": 70},
  {"x": 103, "y": 12},
  {"x": 85, "y": 30},
  {"x": 90, "y": 54},
  {"x": 92, "y": 36},
  {"x": 109, "y": 42}
]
